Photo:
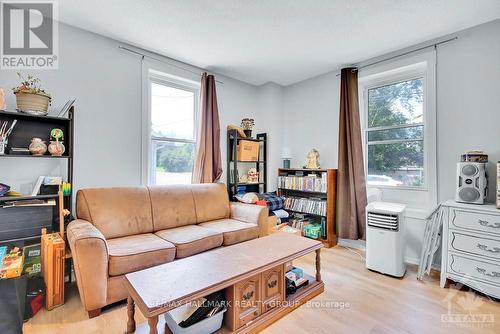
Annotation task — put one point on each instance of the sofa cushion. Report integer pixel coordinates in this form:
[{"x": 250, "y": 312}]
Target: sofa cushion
[
  {"x": 116, "y": 212},
  {"x": 136, "y": 252},
  {"x": 234, "y": 231},
  {"x": 172, "y": 206},
  {"x": 192, "y": 239},
  {"x": 211, "y": 201}
]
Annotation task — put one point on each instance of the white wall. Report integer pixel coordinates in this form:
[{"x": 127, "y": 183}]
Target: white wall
[
  {"x": 468, "y": 115},
  {"x": 270, "y": 116},
  {"x": 311, "y": 119},
  {"x": 106, "y": 82},
  {"x": 468, "y": 102}
]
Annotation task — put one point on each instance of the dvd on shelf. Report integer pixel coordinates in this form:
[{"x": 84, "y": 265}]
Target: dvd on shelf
[
  {"x": 306, "y": 205},
  {"x": 312, "y": 183}
]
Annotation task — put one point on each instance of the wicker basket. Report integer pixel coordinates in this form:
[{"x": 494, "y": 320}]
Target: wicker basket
[{"x": 31, "y": 103}]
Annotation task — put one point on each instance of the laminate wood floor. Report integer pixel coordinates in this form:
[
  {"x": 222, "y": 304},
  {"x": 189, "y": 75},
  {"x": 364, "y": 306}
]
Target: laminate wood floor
[{"x": 355, "y": 300}]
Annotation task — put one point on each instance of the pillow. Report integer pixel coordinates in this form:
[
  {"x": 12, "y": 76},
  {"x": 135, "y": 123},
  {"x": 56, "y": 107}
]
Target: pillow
[{"x": 249, "y": 198}]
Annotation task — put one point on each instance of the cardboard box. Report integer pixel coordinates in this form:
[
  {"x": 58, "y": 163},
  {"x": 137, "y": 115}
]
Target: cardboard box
[{"x": 248, "y": 150}]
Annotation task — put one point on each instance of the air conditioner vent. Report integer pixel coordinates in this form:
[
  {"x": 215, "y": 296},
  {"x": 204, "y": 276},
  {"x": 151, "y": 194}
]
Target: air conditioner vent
[{"x": 383, "y": 221}]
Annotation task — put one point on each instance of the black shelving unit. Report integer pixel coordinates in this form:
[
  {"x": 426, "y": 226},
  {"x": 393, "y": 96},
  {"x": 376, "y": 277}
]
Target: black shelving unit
[
  {"x": 31, "y": 126},
  {"x": 233, "y": 183}
]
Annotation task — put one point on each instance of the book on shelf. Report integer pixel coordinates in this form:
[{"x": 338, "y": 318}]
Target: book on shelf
[
  {"x": 311, "y": 182},
  {"x": 306, "y": 205},
  {"x": 305, "y": 224},
  {"x": 12, "y": 262}
]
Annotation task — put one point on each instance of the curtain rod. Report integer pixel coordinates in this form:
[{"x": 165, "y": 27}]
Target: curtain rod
[
  {"x": 163, "y": 61},
  {"x": 404, "y": 54}
]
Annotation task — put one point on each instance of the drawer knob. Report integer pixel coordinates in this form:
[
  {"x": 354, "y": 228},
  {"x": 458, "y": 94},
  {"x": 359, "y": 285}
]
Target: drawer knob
[
  {"x": 493, "y": 274},
  {"x": 487, "y": 249},
  {"x": 487, "y": 224}
]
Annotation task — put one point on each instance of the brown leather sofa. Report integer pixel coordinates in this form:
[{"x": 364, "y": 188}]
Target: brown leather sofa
[{"x": 121, "y": 230}]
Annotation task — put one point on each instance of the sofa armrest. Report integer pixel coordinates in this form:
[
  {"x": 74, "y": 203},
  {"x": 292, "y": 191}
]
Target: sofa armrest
[
  {"x": 90, "y": 259},
  {"x": 250, "y": 213}
]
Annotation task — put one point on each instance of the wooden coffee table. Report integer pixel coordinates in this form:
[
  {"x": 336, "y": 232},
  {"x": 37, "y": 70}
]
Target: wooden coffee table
[{"x": 252, "y": 274}]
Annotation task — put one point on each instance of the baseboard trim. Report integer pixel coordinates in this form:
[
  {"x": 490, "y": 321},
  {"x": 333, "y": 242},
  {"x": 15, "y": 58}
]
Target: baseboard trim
[
  {"x": 414, "y": 261},
  {"x": 361, "y": 245},
  {"x": 356, "y": 244}
]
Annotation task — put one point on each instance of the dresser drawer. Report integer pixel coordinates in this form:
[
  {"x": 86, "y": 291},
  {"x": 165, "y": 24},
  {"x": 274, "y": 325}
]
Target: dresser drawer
[
  {"x": 473, "y": 244},
  {"x": 476, "y": 221},
  {"x": 474, "y": 269}
]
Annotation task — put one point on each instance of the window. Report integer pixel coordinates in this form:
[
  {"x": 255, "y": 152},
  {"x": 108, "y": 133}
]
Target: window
[
  {"x": 173, "y": 117},
  {"x": 394, "y": 133}
]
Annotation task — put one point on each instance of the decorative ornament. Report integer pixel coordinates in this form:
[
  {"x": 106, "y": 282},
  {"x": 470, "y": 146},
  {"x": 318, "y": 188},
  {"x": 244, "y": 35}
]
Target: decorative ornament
[
  {"x": 37, "y": 147},
  {"x": 253, "y": 175},
  {"x": 56, "y": 148},
  {"x": 312, "y": 160},
  {"x": 247, "y": 124}
]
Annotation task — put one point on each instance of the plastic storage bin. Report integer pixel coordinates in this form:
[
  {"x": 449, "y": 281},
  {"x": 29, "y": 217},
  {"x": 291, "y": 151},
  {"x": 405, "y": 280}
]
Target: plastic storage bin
[{"x": 208, "y": 325}]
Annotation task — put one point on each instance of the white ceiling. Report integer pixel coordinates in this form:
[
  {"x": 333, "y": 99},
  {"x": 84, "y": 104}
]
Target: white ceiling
[{"x": 283, "y": 41}]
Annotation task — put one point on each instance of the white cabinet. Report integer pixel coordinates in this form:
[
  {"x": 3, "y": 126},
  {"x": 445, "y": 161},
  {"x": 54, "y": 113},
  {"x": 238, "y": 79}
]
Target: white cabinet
[{"x": 471, "y": 246}]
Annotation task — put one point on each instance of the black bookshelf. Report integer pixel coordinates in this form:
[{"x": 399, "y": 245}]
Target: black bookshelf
[
  {"x": 33, "y": 126},
  {"x": 233, "y": 163}
]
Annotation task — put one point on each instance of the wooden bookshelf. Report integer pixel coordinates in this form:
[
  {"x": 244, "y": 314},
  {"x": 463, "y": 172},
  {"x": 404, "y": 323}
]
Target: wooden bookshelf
[{"x": 329, "y": 195}]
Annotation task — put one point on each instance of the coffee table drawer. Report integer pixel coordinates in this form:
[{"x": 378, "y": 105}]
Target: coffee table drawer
[
  {"x": 273, "y": 288},
  {"x": 247, "y": 300}
]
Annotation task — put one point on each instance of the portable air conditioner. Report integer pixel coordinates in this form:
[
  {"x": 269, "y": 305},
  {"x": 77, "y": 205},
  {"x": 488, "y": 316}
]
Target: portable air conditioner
[{"x": 385, "y": 238}]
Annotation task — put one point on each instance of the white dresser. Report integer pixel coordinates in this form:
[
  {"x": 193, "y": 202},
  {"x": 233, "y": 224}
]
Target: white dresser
[{"x": 471, "y": 246}]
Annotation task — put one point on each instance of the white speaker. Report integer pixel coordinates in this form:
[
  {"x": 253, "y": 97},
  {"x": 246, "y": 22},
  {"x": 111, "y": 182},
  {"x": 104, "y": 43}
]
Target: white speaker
[{"x": 472, "y": 182}]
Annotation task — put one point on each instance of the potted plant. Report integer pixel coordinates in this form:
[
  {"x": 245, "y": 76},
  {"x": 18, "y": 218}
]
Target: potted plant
[
  {"x": 30, "y": 98},
  {"x": 247, "y": 124}
]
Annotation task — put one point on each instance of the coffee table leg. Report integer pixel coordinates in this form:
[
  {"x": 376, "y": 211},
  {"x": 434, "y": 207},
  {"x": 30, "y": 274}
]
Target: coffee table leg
[
  {"x": 318, "y": 265},
  {"x": 131, "y": 313},
  {"x": 153, "y": 323}
]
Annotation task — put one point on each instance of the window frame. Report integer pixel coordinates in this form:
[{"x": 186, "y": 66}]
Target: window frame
[
  {"x": 386, "y": 81},
  {"x": 156, "y": 77},
  {"x": 421, "y": 63}
]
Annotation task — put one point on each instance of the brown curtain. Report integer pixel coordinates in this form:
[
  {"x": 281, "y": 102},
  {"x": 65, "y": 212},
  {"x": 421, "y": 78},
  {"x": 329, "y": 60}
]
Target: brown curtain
[
  {"x": 351, "y": 186},
  {"x": 208, "y": 163}
]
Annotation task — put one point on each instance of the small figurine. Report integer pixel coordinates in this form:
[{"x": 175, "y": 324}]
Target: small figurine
[
  {"x": 312, "y": 160},
  {"x": 243, "y": 178},
  {"x": 247, "y": 124},
  {"x": 253, "y": 175},
  {"x": 56, "y": 148}
]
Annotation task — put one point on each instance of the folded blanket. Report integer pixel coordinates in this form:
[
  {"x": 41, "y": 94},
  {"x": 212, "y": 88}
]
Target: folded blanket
[{"x": 274, "y": 202}]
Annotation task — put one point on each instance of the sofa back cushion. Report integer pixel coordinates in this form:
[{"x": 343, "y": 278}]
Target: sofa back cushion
[
  {"x": 211, "y": 201},
  {"x": 173, "y": 206},
  {"x": 116, "y": 212}
]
